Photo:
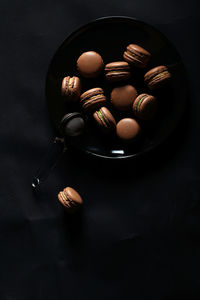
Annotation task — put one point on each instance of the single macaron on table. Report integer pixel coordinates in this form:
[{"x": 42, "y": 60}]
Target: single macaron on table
[{"x": 121, "y": 84}]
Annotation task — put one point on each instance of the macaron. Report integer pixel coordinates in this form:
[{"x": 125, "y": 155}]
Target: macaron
[
  {"x": 72, "y": 124},
  {"x": 90, "y": 64},
  {"x": 92, "y": 99},
  {"x": 122, "y": 97},
  {"x": 105, "y": 120},
  {"x": 128, "y": 129},
  {"x": 70, "y": 199},
  {"x": 71, "y": 88},
  {"x": 136, "y": 55},
  {"x": 145, "y": 107},
  {"x": 117, "y": 71},
  {"x": 157, "y": 77}
]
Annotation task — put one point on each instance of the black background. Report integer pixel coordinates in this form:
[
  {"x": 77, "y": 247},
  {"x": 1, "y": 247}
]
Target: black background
[{"x": 138, "y": 236}]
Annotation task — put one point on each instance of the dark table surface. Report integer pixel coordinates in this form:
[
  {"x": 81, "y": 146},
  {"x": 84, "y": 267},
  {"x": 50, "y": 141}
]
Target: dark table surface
[{"x": 138, "y": 236}]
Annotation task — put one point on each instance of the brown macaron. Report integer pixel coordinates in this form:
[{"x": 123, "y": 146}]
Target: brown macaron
[
  {"x": 128, "y": 129},
  {"x": 105, "y": 120},
  {"x": 92, "y": 99},
  {"x": 145, "y": 107},
  {"x": 136, "y": 55},
  {"x": 71, "y": 88},
  {"x": 117, "y": 71},
  {"x": 122, "y": 97},
  {"x": 70, "y": 199},
  {"x": 90, "y": 64},
  {"x": 157, "y": 77}
]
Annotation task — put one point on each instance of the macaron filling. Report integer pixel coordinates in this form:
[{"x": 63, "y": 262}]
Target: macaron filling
[
  {"x": 71, "y": 81},
  {"x": 69, "y": 203},
  {"x": 118, "y": 69},
  {"x": 118, "y": 73},
  {"x": 133, "y": 53},
  {"x": 139, "y": 102},
  {"x": 161, "y": 74},
  {"x": 101, "y": 117},
  {"x": 95, "y": 97},
  {"x": 70, "y": 84},
  {"x": 65, "y": 199},
  {"x": 92, "y": 98},
  {"x": 94, "y": 101}
]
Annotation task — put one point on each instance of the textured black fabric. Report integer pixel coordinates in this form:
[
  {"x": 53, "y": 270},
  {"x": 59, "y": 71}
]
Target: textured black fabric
[{"x": 138, "y": 236}]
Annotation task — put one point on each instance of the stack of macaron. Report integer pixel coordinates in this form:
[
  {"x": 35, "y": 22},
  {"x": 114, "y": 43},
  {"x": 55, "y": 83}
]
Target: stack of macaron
[{"x": 124, "y": 98}]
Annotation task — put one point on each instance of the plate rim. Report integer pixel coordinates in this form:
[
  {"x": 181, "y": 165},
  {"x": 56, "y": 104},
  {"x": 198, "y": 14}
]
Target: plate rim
[{"x": 151, "y": 147}]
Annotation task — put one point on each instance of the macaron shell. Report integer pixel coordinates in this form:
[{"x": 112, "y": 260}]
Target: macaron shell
[
  {"x": 157, "y": 77},
  {"x": 128, "y": 129},
  {"x": 64, "y": 86},
  {"x": 108, "y": 116},
  {"x": 68, "y": 204},
  {"x": 123, "y": 97},
  {"x": 117, "y": 71},
  {"x": 71, "y": 88},
  {"x": 100, "y": 121},
  {"x": 76, "y": 89},
  {"x": 70, "y": 199},
  {"x": 138, "y": 50},
  {"x": 159, "y": 80},
  {"x": 90, "y": 64},
  {"x": 93, "y": 104},
  {"x": 155, "y": 71},
  {"x": 92, "y": 99},
  {"x": 91, "y": 93},
  {"x": 118, "y": 76},
  {"x": 73, "y": 195},
  {"x": 70, "y": 128},
  {"x": 133, "y": 60},
  {"x": 136, "y": 55},
  {"x": 117, "y": 65},
  {"x": 145, "y": 107},
  {"x": 74, "y": 127},
  {"x": 63, "y": 201},
  {"x": 107, "y": 122}
]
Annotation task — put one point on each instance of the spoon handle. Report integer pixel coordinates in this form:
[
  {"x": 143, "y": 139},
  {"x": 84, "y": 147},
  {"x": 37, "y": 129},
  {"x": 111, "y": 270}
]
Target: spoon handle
[{"x": 54, "y": 153}]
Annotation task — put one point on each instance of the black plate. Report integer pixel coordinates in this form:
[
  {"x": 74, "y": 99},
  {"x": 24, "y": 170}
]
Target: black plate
[{"x": 109, "y": 37}]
